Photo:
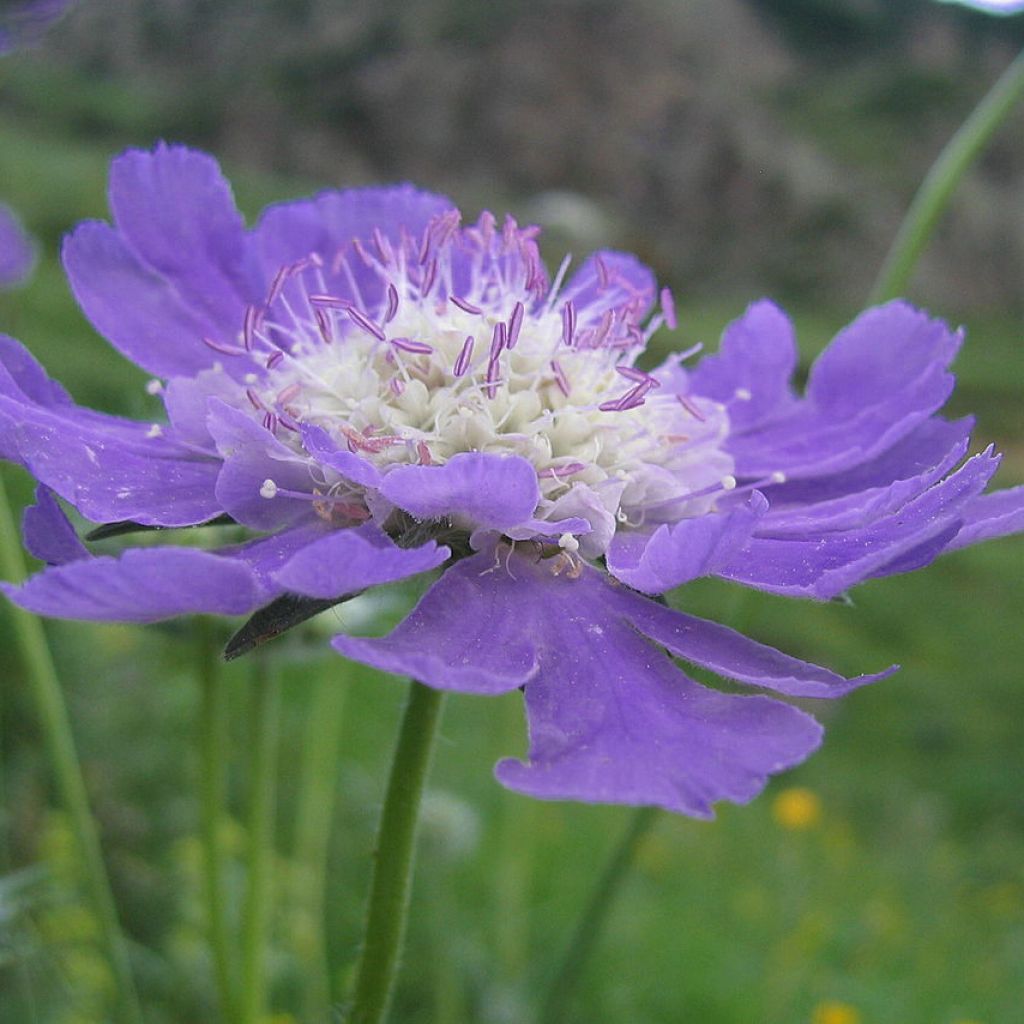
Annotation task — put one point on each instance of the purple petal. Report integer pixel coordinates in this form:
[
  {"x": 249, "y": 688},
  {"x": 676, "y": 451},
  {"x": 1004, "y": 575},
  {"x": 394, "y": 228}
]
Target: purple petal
[
  {"x": 17, "y": 251},
  {"x": 187, "y": 401},
  {"x": 463, "y": 635},
  {"x": 136, "y": 310},
  {"x": 352, "y": 467},
  {"x": 176, "y": 212},
  {"x": 22, "y": 378},
  {"x": 752, "y": 371},
  {"x": 611, "y": 718},
  {"x": 679, "y": 552},
  {"x": 252, "y": 456},
  {"x": 894, "y": 360},
  {"x": 824, "y": 566},
  {"x": 731, "y": 654},
  {"x": 48, "y": 534},
  {"x": 108, "y": 468},
  {"x": 494, "y": 492},
  {"x": 990, "y": 516},
  {"x": 142, "y": 585},
  {"x": 870, "y": 491},
  {"x": 349, "y": 560}
]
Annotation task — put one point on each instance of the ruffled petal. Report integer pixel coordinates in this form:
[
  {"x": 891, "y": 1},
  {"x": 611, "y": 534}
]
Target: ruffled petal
[
  {"x": 611, "y": 717},
  {"x": 870, "y": 491},
  {"x": 177, "y": 213},
  {"x": 22, "y": 378},
  {"x": 881, "y": 377},
  {"x": 463, "y": 635},
  {"x": 142, "y": 585},
  {"x": 48, "y": 534},
  {"x": 990, "y": 516},
  {"x": 824, "y": 566},
  {"x": 138, "y": 312},
  {"x": 496, "y": 492},
  {"x": 352, "y": 467},
  {"x": 349, "y": 560},
  {"x": 752, "y": 371},
  {"x": 675, "y": 553},
  {"x": 109, "y": 468},
  {"x": 731, "y": 654}
]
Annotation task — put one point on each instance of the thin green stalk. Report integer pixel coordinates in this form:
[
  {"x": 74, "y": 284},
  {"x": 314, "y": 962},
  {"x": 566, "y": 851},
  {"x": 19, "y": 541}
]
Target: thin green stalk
[
  {"x": 49, "y": 699},
  {"x": 591, "y": 923},
  {"x": 312, "y": 839},
  {"x": 393, "y": 864},
  {"x": 939, "y": 184},
  {"x": 266, "y": 700},
  {"x": 213, "y": 748}
]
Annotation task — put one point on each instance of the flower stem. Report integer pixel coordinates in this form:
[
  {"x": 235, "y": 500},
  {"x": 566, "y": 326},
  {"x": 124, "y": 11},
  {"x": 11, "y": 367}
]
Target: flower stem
[
  {"x": 312, "y": 839},
  {"x": 213, "y": 745},
  {"x": 592, "y": 921},
  {"x": 266, "y": 699},
  {"x": 937, "y": 189},
  {"x": 53, "y": 715},
  {"x": 394, "y": 854}
]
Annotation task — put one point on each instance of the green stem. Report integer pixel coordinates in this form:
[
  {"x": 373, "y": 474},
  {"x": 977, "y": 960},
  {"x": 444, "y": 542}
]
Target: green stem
[
  {"x": 941, "y": 181},
  {"x": 213, "y": 746},
  {"x": 592, "y": 921},
  {"x": 266, "y": 699},
  {"x": 392, "y": 870},
  {"x": 53, "y": 715},
  {"x": 312, "y": 839}
]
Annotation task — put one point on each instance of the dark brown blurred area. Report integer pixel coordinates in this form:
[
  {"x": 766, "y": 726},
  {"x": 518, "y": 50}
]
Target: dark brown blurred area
[{"x": 738, "y": 145}]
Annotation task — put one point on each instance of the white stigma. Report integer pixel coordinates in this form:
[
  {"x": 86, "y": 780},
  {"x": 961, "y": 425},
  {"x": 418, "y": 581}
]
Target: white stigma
[{"x": 268, "y": 489}]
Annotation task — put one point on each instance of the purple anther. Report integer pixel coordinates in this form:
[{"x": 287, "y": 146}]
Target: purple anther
[
  {"x": 462, "y": 363},
  {"x": 254, "y": 400},
  {"x": 568, "y": 323},
  {"x": 285, "y": 395},
  {"x": 602, "y": 329},
  {"x": 498, "y": 339},
  {"x": 250, "y": 324},
  {"x": 270, "y": 421},
  {"x": 277, "y": 285},
  {"x": 397, "y": 385},
  {"x": 365, "y": 323},
  {"x": 429, "y": 276},
  {"x": 515, "y": 324},
  {"x": 389, "y": 313},
  {"x": 465, "y": 306},
  {"x": 668, "y": 308},
  {"x": 419, "y": 348},
  {"x": 324, "y": 326},
  {"x": 603, "y": 279},
  {"x": 631, "y": 372},
  {"x": 224, "y": 349},
  {"x": 330, "y": 301},
  {"x": 690, "y": 408},
  {"x": 560, "y": 378},
  {"x": 274, "y": 359},
  {"x": 288, "y": 423}
]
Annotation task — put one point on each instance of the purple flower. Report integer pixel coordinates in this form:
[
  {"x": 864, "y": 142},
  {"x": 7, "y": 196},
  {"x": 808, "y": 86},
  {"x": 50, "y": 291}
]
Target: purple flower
[
  {"x": 17, "y": 251},
  {"x": 24, "y": 21},
  {"x": 376, "y": 391},
  {"x": 992, "y": 6}
]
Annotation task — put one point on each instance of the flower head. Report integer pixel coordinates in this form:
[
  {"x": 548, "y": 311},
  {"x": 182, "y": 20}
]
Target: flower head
[
  {"x": 17, "y": 251},
  {"x": 377, "y": 390}
]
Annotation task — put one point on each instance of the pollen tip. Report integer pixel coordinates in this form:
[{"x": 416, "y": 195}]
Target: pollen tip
[
  {"x": 778, "y": 477},
  {"x": 268, "y": 489},
  {"x": 567, "y": 542},
  {"x": 743, "y": 394},
  {"x": 154, "y": 387},
  {"x": 729, "y": 482}
]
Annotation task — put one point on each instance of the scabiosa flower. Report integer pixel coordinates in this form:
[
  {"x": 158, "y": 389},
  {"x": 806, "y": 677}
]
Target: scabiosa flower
[
  {"x": 17, "y": 251},
  {"x": 376, "y": 391}
]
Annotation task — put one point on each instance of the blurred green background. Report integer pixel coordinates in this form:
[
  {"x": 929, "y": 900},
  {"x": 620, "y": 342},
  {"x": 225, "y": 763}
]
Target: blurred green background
[{"x": 744, "y": 147}]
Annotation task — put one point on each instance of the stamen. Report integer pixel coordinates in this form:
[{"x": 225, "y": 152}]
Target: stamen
[
  {"x": 365, "y": 323},
  {"x": 568, "y": 323},
  {"x": 603, "y": 279},
  {"x": 154, "y": 387},
  {"x": 515, "y": 323},
  {"x": 560, "y": 378},
  {"x": 222, "y": 347},
  {"x": 331, "y": 301},
  {"x": 462, "y": 362},
  {"x": 268, "y": 489},
  {"x": 155, "y": 430},
  {"x": 464, "y": 305},
  {"x": 323, "y": 325},
  {"x": 389, "y": 313},
  {"x": 274, "y": 359},
  {"x": 692, "y": 409},
  {"x": 249, "y": 325},
  {"x": 409, "y": 345},
  {"x": 668, "y": 308}
]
